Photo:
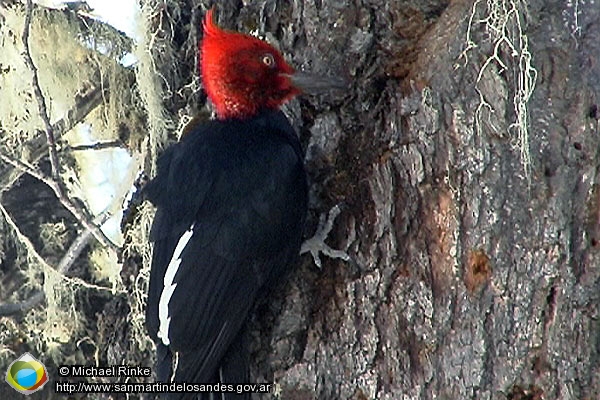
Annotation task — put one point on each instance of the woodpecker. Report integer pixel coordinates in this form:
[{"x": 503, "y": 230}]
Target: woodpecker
[{"x": 231, "y": 202}]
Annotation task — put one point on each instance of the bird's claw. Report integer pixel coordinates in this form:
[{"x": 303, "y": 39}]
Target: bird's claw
[{"x": 316, "y": 244}]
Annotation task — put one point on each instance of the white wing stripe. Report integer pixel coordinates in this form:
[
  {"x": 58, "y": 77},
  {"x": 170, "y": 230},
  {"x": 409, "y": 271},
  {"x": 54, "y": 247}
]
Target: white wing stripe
[{"x": 169, "y": 286}]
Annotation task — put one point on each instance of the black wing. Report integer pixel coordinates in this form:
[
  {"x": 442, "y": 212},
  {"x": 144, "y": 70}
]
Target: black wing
[{"x": 236, "y": 192}]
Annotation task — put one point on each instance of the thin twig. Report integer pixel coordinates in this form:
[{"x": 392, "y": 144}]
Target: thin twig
[
  {"x": 97, "y": 146},
  {"x": 37, "y": 91},
  {"x": 77, "y": 211}
]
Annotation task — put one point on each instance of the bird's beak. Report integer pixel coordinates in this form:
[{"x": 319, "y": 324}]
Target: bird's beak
[{"x": 316, "y": 84}]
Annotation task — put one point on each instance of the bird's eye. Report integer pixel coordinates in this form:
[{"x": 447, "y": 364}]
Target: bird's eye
[{"x": 268, "y": 60}]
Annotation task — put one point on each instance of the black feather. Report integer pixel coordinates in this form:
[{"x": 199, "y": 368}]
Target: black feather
[{"x": 242, "y": 184}]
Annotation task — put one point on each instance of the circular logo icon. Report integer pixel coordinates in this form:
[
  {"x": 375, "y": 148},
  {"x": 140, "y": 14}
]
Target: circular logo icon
[{"x": 26, "y": 374}]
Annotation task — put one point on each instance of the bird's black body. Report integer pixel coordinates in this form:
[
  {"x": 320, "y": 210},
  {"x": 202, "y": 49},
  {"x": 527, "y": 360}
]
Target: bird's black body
[{"x": 241, "y": 185}]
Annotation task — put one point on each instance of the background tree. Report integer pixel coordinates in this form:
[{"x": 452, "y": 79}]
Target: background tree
[{"x": 465, "y": 156}]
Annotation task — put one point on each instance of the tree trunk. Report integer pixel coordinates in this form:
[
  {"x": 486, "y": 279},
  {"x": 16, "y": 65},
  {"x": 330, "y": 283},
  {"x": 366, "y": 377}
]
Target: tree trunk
[{"x": 471, "y": 209}]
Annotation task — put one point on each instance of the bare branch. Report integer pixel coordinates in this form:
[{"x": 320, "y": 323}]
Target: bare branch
[
  {"x": 23, "y": 306},
  {"x": 83, "y": 106},
  {"x": 77, "y": 211},
  {"x": 97, "y": 146},
  {"x": 37, "y": 91},
  {"x": 26, "y": 169},
  {"x": 74, "y": 251}
]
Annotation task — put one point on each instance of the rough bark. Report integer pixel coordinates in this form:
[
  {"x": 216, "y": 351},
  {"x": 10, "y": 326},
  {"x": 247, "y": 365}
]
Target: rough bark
[{"x": 471, "y": 279}]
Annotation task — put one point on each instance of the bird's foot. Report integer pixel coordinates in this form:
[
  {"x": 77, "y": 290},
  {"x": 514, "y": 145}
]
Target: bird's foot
[{"x": 316, "y": 244}]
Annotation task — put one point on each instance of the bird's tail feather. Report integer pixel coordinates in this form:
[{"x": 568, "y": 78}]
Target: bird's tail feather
[
  {"x": 233, "y": 370},
  {"x": 164, "y": 363}
]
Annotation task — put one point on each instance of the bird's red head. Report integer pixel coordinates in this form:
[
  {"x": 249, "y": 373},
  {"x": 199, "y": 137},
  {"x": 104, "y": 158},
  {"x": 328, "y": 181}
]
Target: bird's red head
[{"x": 241, "y": 73}]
